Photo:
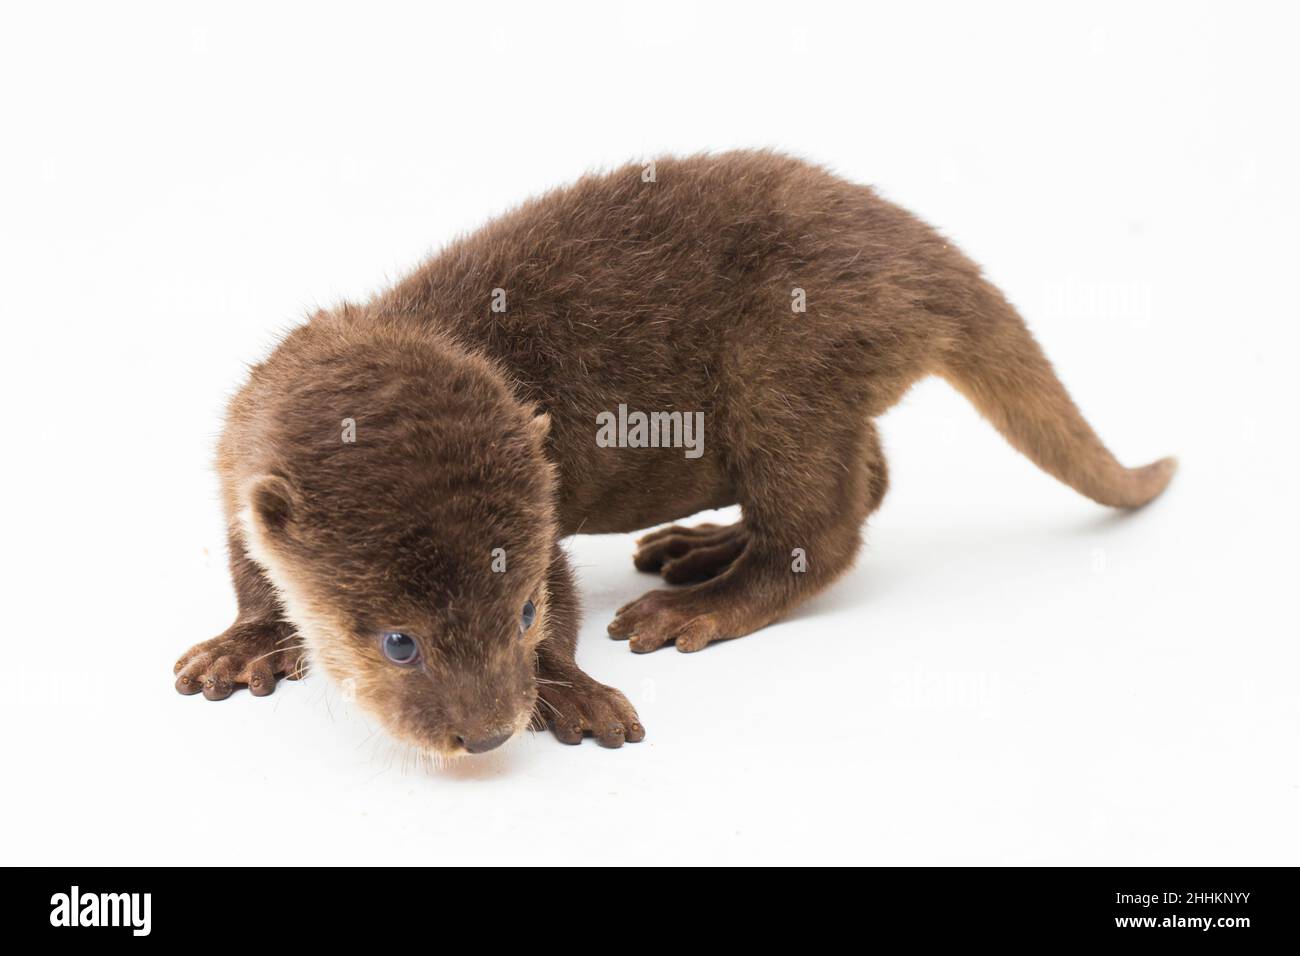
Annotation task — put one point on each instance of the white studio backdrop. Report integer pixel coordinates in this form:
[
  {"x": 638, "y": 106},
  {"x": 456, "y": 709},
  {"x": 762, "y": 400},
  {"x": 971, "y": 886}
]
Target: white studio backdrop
[{"x": 1010, "y": 674}]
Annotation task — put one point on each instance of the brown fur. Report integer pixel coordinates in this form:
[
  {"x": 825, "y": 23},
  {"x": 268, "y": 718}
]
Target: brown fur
[{"x": 476, "y": 430}]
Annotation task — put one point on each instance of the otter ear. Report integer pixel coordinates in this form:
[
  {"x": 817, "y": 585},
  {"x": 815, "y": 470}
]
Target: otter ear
[
  {"x": 271, "y": 501},
  {"x": 540, "y": 427}
]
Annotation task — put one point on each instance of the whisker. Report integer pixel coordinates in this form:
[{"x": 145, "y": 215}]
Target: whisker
[
  {"x": 553, "y": 683},
  {"x": 277, "y": 650}
]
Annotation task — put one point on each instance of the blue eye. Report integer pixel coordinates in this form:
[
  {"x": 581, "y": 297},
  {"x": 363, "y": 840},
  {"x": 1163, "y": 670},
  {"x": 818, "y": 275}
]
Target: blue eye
[
  {"x": 400, "y": 648},
  {"x": 527, "y": 616}
]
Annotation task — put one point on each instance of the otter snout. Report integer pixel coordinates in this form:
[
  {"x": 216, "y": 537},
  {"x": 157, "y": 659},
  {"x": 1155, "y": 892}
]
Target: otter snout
[{"x": 481, "y": 745}]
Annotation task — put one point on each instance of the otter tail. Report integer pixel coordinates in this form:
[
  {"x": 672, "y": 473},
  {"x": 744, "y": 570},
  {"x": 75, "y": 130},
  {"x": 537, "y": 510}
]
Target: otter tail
[{"x": 998, "y": 366}]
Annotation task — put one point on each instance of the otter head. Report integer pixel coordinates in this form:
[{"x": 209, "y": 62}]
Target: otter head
[{"x": 413, "y": 558}]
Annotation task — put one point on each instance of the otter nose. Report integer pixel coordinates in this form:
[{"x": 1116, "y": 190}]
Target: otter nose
[{"x": 482, "y": 745}]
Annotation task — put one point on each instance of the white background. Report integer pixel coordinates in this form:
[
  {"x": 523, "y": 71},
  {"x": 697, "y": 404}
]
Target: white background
[{"x": 1010, "y": 674}]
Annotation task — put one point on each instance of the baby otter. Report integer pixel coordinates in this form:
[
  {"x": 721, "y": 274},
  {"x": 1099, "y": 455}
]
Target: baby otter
[{"x": 397, "y": 476}]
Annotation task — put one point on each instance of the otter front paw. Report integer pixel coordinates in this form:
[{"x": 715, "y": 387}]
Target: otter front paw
[
  {"x": 252, "y": 654},
  {"x": 579, "y": 706}
]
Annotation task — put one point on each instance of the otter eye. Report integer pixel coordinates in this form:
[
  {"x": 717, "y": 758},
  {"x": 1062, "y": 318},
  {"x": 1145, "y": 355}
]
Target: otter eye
[
  {"x": 527, "y": 616},
  {"x": 400, "y": 648}
]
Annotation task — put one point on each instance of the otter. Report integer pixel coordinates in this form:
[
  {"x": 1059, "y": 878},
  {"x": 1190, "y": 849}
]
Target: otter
[{"x": 399, "y": 474}]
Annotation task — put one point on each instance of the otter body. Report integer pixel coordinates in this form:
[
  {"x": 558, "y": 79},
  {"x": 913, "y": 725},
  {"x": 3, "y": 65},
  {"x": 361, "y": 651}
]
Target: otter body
[
  {"x": 679, "y": 294},
  {"x": 776, "y": 305}
]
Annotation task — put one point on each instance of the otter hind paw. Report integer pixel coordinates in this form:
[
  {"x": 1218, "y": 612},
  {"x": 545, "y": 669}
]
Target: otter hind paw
[{"x": 685, "y": 555}]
